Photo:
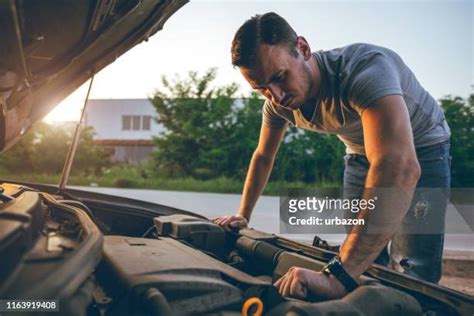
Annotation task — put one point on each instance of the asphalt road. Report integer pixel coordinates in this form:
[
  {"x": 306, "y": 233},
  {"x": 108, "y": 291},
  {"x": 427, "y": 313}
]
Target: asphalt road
[{"x": 266, "y": 214}]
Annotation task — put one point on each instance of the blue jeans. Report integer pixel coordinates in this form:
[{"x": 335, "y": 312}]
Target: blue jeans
[{"x": 412, "y": 251}]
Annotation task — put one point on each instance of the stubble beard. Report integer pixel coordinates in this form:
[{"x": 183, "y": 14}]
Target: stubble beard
[{"x": 309, "y": 83}]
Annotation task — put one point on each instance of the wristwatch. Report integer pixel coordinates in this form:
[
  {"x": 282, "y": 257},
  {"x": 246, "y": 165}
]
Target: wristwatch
[{"x": 335, "y": 268}]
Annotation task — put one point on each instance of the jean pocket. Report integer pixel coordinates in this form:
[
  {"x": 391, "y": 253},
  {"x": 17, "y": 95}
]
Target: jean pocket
[
  {"x": 437, "y": 152},
  {"x": 435, "y": 172}
]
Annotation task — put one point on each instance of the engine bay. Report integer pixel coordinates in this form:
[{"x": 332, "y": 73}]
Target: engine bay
[{"x": 101, "y": 255}]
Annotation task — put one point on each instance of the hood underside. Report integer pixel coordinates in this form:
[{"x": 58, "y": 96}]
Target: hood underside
[{"x": 49, "y": 48}]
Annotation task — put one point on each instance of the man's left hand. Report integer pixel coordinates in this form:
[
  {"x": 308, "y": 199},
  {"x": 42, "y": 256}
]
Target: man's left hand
[{"x": 300, "y": 282}]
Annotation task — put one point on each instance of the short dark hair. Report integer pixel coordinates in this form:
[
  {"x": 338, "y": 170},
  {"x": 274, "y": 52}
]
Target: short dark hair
[{"x": 269, "y": 28}]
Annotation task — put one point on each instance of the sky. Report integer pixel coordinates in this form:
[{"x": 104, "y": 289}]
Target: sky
[{"x": 434, "y": 38}]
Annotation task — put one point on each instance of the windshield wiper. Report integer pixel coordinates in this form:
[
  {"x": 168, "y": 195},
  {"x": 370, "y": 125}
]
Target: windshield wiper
[{"x": 75, "y": 141}]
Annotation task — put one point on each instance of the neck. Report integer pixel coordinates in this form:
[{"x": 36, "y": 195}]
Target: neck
[{"x": 315, "y": 76}]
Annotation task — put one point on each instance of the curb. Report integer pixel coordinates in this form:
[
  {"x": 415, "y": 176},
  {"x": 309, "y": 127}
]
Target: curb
[{"x": 457, "y": 263}]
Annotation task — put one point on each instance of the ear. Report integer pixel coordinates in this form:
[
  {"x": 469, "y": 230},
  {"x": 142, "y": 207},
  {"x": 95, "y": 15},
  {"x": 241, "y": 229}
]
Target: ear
[{"x": 302, "y": 46}]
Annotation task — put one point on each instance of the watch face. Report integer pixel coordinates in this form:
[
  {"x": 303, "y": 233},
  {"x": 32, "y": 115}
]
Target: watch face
[
  {"x": 329, "y": 267},
  {"x": 335, "y": 268}
]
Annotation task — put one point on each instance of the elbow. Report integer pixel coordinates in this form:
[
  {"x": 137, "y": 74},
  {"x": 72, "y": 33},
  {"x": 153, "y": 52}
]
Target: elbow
[
  {"x": 398, "y": 170},
  {"x": 411, "y": 171},
  {"x": 259, "y": 158}
]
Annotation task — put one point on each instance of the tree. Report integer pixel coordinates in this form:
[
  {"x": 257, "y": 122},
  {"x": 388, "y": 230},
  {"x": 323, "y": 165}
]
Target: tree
[
  {"x": 43, "y": 150},
  {"x": 309, "y": 157},
  {"x": 246, "y": 131},
  {"x": 199, "y": 122},
  {"x": 459, "y": 113}
]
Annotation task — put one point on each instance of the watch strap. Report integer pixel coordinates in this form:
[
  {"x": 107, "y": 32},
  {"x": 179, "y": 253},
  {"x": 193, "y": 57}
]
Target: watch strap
[{"x": 335, "y": 268}]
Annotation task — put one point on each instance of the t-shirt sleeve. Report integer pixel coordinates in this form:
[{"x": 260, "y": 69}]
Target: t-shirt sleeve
[
  {"x": 374, "y": 76},
  {"x": 270, "y": 117}
]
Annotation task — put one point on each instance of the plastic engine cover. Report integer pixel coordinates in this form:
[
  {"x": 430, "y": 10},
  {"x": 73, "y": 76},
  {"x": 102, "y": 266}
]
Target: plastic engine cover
[{"x": 191, "y": 281}]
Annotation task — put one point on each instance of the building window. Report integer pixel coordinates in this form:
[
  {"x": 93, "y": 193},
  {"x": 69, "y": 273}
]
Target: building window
[
  {"x": 146, "y": 122},
  {"x": 126, "y": 122},
  {"x": 136, "y": 120}
]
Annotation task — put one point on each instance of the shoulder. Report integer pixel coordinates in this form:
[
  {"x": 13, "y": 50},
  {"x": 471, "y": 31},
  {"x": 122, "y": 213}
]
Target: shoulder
[
  {"x": 359, "y": 50},
  {"x": 268, "y": 108},
  {"x": 371, "y": 72},
  {"x": 350, "y": 55},
  {"x": 271, "y": 108},
  {"x": 362, "y": 58},
  {"x": 276, "y": 116}
]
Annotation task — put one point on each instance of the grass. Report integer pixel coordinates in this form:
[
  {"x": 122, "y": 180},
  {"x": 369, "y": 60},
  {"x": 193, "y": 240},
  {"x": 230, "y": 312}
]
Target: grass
[{"x": 136, "y": 178}]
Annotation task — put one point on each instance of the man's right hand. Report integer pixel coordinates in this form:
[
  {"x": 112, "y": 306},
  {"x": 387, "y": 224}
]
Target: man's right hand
[{"x": 230, "y": 222}]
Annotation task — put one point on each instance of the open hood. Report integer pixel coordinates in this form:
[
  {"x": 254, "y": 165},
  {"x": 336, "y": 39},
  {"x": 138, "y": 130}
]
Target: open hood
[{"x": 49, "y": 48}]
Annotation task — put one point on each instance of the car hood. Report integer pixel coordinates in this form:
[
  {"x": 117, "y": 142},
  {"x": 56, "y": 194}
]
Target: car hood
[{"x": 50, "y": 48}]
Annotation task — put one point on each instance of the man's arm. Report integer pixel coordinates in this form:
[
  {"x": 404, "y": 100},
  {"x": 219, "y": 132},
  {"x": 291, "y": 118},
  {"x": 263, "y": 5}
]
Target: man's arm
[
  {"x": 392, "y": 177},
  {"x": 260, "y": 168},
  {"x": 259, "y": 171}
]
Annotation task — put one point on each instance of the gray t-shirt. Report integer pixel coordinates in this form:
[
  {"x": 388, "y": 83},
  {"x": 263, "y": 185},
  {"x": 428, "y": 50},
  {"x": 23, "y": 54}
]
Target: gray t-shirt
[{"x": 352, "y": 78}]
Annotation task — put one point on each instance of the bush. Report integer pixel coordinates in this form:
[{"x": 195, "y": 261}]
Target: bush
[
  {"x": 124, "y": 183},
  {"x": 43, "y": 150}
]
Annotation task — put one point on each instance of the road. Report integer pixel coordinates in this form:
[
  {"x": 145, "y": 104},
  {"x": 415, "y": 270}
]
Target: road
[{"x": 266, "y": 214}]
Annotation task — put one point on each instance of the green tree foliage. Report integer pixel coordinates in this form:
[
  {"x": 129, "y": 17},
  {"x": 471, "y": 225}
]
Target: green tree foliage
[
  {"x": 208, "y": 135},
  {"x": 310, "y": 157},
  {"x": 198, "y": 122},
  {"x": 459, "y": 113},
  {"x": 43, "y": 150}
]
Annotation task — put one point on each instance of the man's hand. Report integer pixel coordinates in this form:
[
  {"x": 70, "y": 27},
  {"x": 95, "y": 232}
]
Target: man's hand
[
  {"x": 300, "y": 282},
  {"x": 229, "y": 222}
]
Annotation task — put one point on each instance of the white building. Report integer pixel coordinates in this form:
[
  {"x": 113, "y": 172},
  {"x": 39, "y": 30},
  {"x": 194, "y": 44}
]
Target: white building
[{"x": 125, "y": 126}]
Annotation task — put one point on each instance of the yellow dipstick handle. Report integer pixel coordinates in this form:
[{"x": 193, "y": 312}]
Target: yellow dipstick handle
[{"x": 249, "y": 303}]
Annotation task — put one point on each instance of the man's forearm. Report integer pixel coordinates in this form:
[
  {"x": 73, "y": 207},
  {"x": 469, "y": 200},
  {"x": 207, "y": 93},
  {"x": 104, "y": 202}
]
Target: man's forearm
[
  {"x": 394, "y": 192},
  {"x": 256, "y": 180}
]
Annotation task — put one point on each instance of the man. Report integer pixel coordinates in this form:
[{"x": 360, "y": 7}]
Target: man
[{"x": 396, "y": 139}]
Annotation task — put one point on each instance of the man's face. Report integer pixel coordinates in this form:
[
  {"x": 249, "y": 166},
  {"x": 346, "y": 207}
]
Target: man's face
[{"x": 280, "y": 76}]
